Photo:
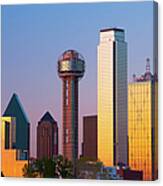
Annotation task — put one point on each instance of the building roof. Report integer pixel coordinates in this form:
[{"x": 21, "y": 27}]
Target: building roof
[
  {"x": 112, "y": 29},
  {"x": 47, "y": 117},
  {"x": 15, "y": 108},
  {"x": 90, "y": 116},
  {"x": 147, "y": 76}
]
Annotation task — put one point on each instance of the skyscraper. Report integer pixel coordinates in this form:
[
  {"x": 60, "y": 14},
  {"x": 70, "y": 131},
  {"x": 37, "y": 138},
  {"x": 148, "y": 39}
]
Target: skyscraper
[
  {"x": 90, "y": 137},
  {"x": 47, "y": 137},
  {"x": 143, "y": 125},
  {"x": 112, "y": 97},
  {"x": 22, "y": 134},
  {"x": 14, "y": 139},
  {"x": 71, "y": 67}
]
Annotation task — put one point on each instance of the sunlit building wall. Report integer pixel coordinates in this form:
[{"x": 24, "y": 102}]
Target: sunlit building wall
[
  {"x": 10, "y": 165},
  {"x": 143, "y": 127},
  {"x": 112, "y": 97}
]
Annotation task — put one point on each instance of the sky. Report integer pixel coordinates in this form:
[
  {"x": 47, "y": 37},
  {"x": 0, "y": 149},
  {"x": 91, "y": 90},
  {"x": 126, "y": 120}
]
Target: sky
[{"x": 34, "y": 36}]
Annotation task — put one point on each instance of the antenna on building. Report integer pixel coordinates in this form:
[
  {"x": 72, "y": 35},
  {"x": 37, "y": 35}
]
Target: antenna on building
[
  {"x": 147, "y": 65},
  {"x": 134, "y": 77}
]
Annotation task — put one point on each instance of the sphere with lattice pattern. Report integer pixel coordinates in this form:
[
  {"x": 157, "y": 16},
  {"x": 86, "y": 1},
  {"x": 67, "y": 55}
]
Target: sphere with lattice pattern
[{"x": 71, "y": 63}]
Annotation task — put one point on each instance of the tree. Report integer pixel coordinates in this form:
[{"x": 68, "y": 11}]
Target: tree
[
  {"x": 57, "y": 167},
  {"x": 49, "y": 168},
  {"x": 28, "y": 171},
  {"x": 64, "y": 167}
]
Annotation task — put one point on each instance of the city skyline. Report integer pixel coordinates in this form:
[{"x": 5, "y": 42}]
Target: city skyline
[{"x": 37, "y": 59}]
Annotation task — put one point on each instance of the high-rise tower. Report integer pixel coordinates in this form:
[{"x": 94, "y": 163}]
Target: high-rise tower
[
  {"x": 70, "y": 69},
  {"x": 112, "y": 97},
  {"x": 143, "y": 124}
]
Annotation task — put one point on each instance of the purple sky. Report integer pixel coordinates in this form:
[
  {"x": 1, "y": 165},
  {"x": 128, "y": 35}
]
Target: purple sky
[{"x": 34, "y": 36}]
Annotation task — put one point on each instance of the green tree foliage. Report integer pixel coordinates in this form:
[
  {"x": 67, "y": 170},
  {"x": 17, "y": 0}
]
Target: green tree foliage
[
  {"x": 58, "y": 167},
  {"x": 64, "y": 167},
  {"x": 28, "y": 171}
]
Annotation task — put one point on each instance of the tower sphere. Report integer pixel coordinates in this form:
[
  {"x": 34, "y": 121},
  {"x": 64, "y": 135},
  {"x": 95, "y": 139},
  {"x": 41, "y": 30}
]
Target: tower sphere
[{"x": 71, "y": 63}]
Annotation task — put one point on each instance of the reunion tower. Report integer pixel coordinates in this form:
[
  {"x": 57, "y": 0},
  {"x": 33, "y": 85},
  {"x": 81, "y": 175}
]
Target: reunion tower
[{"x": 71, "y": 67}]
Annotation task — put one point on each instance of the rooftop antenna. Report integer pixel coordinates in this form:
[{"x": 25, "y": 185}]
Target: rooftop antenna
[
  {"x": 134, "y": 77},
  {"x": 147, "y": 65}
]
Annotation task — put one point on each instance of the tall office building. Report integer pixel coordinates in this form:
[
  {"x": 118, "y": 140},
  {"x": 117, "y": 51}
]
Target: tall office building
[
  {"x": 90, "y": 137},
  {"x": 112, "y": 97},
  {"x": 143, "y": 124},
  {"x": 22, "y": 133},
  {"x": 14, "y": 139},
  {"x": 71, "y": 67},
  {"x": 47, "y": 137}
]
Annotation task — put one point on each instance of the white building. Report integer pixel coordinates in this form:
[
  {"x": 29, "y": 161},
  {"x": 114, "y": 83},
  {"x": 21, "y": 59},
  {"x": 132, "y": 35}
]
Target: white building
[{"x": 112, "y": 97}]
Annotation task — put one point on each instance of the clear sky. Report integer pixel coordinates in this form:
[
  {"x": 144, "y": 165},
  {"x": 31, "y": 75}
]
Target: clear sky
[{"x": 34, "y": 36}]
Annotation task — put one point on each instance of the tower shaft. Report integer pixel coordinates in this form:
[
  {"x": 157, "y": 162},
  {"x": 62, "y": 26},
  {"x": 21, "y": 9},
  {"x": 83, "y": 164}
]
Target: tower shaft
[{"x": 70, "y": 118}]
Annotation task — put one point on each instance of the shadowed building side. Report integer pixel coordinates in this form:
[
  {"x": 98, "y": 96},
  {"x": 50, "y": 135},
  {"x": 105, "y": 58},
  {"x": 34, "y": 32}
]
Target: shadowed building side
[{"x": 90, "y": 137}]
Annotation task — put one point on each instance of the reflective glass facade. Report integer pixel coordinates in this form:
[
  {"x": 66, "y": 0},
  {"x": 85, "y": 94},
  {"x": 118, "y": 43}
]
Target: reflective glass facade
[
  {"x": 143, "y": 128},
  {"x": 112, "y": 97}
]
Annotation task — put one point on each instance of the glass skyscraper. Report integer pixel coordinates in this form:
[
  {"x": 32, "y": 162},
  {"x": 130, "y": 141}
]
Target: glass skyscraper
[
  {"x": 143, "y": 125},
  {"x": 112, "y": 97}
]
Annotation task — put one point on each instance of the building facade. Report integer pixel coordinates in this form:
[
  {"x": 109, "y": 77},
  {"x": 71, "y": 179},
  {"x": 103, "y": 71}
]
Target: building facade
[
  {"x": 112, "y": 97},
  {"x": 11, "y": 164},
  {"x": 47, "y": 137},
  {"x": 14, "y": 139},
  {"x": 90, "y": 137},
  {"x": 70, "y": 69},
  {"x": 143, "y": 125},
  {"x": 22, "y": 128}
]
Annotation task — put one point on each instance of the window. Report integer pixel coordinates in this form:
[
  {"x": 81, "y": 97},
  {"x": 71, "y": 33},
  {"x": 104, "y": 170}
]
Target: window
[
  {"x": 67, "y": 138},
  {"x": 55, "y": 138}
]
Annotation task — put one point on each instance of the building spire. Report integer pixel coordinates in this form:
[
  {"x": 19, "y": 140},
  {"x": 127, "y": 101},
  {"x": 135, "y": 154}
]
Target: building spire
[{"x": 147, "y": 65}]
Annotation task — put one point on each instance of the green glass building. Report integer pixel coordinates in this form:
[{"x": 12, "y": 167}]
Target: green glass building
[{"x": 21, "y": 131}]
